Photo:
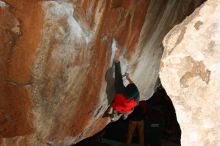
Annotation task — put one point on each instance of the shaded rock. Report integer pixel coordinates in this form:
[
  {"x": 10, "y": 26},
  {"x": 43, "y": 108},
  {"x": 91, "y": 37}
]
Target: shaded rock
[{"x": 190, "y": 73}]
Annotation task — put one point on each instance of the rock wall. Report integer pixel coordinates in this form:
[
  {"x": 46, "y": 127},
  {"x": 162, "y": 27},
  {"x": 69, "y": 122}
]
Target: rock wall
[
  {"x": 56, "y": 76},
  {"x": 19, "y": 40},
  {"x": 190, "y": 73}
]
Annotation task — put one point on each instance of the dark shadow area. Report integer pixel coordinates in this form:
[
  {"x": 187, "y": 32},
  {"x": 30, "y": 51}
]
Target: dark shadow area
[
  {"x": 161, "y": 126},
  {"x": 110, "y": 89},
  {"x": 161, "y": 109}
]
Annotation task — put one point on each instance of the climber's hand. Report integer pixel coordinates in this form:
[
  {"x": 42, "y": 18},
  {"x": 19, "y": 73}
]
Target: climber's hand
[{"x": 128, "y": 78}]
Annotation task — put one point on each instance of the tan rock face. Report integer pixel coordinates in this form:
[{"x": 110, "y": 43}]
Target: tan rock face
[
  {"x": 190, "y": 73},
  {"x": 56, "y": 76}
]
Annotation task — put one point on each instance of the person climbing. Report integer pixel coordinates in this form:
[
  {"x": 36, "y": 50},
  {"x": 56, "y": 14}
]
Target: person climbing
[{"x": 126, "y": 98}]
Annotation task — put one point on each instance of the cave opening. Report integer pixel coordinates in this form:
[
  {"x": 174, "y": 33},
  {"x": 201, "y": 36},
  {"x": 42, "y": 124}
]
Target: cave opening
[{"x": 161, "y": 126}]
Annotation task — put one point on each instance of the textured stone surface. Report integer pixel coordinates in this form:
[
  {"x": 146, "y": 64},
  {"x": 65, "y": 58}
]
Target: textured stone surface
[
  {"x": 190, "y": 73},
  {"x": 56, "y": 78},
  {"x": 15, "y": 73},
  {"x": 161, "y": 17}
]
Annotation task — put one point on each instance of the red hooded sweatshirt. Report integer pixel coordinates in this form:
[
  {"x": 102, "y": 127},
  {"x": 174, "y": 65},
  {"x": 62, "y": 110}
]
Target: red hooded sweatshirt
[{"x": 122, "y": 104}]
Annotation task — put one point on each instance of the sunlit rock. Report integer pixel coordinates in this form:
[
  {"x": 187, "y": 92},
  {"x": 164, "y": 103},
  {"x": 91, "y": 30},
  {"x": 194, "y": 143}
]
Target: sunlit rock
[{"x": 190, "y": 73}]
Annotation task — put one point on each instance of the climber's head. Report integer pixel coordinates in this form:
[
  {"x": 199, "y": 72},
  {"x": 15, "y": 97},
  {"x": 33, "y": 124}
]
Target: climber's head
[{"x": 131, "y": 91}]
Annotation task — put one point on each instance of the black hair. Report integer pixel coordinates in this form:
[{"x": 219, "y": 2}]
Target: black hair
[{"x": 131, "y": 91}]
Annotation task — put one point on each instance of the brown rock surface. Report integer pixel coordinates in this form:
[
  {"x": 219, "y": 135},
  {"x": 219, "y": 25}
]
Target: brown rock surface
[
  {"x": 190, "y": 73},
  {"x": 18, "y": 44},
  {"x": 55, "y": 57}
]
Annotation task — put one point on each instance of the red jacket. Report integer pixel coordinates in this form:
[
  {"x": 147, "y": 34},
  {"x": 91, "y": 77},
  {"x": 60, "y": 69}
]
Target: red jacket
[{"x": 122, "y": 104}]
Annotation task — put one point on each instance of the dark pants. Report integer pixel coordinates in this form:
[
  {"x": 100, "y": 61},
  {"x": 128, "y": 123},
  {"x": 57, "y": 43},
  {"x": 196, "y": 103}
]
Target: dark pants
[
  {"x": 132, "y": 125},
  {"x": 119, "y": 86}
]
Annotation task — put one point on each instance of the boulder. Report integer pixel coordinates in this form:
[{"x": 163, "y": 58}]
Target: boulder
[{"x": 190, "y": 73}]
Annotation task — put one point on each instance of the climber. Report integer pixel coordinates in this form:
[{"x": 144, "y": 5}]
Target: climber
[{"x": 126, "y": 98}]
